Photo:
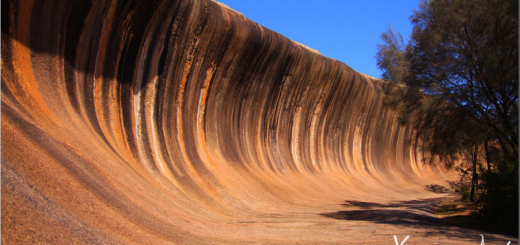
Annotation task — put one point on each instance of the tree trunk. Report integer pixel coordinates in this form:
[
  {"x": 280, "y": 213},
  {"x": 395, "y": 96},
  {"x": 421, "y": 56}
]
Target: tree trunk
[
  {"x": 474, "y": 179},
  {"x": 486, "y": 148}
]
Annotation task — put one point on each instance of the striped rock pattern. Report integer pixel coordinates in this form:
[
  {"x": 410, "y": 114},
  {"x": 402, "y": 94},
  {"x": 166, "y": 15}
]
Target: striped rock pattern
[{"x": 176, "y": 121}]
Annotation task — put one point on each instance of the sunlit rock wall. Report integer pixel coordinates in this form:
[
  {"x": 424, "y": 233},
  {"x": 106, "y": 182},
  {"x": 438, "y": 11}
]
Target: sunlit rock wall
[{"x": 182, "y": 121}]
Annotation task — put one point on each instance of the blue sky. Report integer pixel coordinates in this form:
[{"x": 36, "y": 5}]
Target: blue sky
[{"x": 345, "y": 30}]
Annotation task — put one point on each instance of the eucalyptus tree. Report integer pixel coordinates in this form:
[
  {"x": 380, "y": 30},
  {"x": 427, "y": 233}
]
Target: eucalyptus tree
[{"x": 456, "y": 81}]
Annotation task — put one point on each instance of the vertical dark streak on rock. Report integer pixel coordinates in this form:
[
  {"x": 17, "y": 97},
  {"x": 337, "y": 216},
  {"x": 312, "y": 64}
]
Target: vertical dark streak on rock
[
  {"x": 6, "y": 15},
  {"x": 79, "y": 10}
]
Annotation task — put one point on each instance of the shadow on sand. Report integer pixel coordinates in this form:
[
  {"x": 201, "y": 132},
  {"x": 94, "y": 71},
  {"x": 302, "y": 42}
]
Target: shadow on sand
[
  {"x": 437, "y": 189},
  {"x": 417, "y": 214}
]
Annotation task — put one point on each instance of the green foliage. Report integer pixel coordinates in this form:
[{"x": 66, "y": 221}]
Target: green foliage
[
  {"x": 392, "y": 56},
  {"x": 464, "y": 192},
  {"x": 501, "y": 196},
  {"x": 456, "y": 83}
]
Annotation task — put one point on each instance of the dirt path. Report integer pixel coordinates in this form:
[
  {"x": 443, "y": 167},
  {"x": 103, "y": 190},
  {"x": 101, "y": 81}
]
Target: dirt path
[{"x": 439, "y": 219}]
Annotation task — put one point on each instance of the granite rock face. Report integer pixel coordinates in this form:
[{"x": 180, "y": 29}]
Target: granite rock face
[{"x": 182, "y": 121}]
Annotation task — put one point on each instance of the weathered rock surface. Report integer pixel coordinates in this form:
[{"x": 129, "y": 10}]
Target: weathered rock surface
[{"x": 180, "y": 121}]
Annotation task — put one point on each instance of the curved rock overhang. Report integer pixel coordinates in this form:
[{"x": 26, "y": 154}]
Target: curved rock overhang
[{"x": 183, "y": 121}]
